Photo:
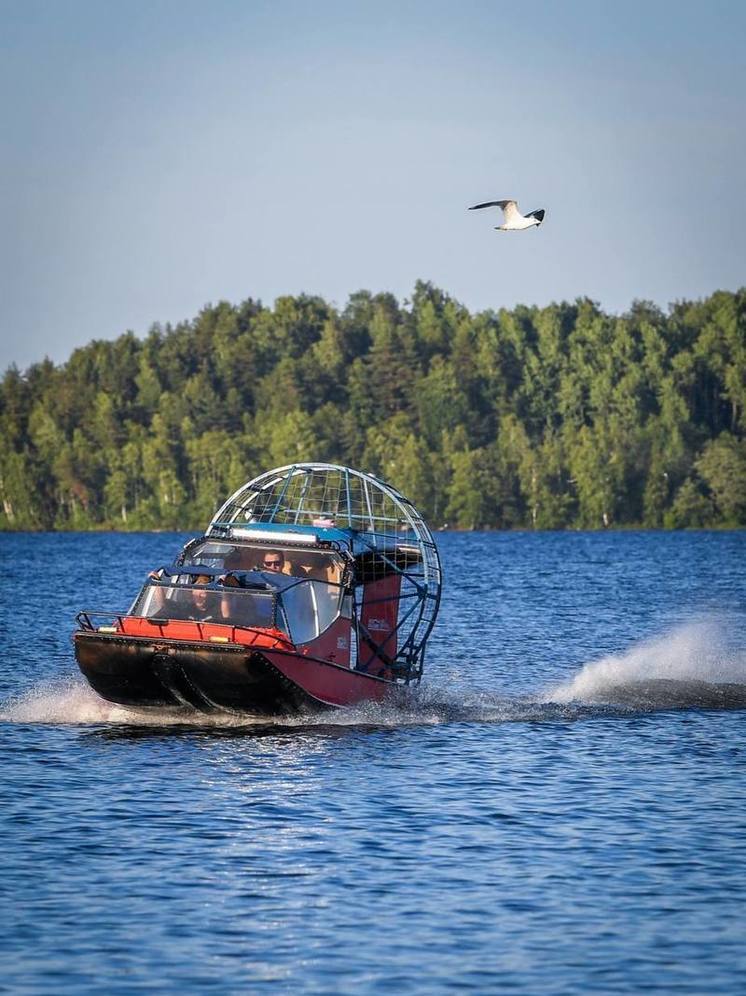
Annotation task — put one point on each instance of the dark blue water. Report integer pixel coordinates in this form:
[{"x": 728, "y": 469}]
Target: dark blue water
[{"x": 561, "y": 809}]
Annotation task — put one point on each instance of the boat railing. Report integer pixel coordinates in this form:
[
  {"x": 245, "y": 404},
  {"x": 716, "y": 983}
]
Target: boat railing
[
  {"x": 86, "y": 616},
  {"x": 121, "y": 622}
]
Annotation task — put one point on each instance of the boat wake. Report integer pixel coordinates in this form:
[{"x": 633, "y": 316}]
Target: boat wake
[{"x": 694, "y": 666}]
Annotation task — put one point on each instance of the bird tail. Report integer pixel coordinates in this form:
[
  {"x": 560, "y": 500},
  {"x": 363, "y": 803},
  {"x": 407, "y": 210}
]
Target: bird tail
[{"x": 539, "y": 215}]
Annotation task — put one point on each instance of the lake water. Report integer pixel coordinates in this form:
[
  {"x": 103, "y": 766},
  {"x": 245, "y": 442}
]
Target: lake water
[{"x": 562, "y": 808}]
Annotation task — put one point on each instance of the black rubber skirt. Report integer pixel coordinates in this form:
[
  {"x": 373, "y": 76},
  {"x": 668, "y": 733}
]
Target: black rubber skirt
[{"x": 133, "y": 671}]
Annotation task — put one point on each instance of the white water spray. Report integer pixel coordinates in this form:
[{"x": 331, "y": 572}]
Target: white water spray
[
  {"x": 685, "y": 666},
  {"x": 72, "y": 702},
  {"x": 691, "y": 666}
]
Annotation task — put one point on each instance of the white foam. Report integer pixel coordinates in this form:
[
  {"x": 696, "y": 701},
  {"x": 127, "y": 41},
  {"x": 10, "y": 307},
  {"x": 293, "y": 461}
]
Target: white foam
[
  {"x": 689, "y": 665},
  {"x": 696, "y": 652},
  {"x": 72, "y": 702}
]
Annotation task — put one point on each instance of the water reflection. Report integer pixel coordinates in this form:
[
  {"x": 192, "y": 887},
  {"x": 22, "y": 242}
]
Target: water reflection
[{"x": 199, "y": 729}]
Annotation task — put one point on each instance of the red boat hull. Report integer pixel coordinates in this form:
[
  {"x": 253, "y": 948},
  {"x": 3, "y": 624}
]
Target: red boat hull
[{"x": 216, "y": 668}]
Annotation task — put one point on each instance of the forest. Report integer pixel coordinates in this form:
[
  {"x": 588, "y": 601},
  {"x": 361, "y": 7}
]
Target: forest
[{"x": 560, "y": 417}]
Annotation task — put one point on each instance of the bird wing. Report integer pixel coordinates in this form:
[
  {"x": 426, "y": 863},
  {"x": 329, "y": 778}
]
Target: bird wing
[{"x": 510, "y": 208}]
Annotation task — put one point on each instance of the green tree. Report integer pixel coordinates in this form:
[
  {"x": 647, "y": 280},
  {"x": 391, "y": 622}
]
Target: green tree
[
  {"x": 691, "y": 508},
  {"x": 722, "y": 466},
  {"x": 530, "y": 417}
]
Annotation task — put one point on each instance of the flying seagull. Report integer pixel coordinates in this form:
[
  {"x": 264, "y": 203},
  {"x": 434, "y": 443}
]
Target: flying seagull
[{"x": 514, "y": 220}]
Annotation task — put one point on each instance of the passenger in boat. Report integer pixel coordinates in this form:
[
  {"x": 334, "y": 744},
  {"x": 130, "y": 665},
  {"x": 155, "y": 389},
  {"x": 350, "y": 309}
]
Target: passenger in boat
[
  {"x": 198, "y": 609},
  {"x": 325, "y": 571},
  {"x": 236, "y": 611},
  {"x": 332, "y": 573},
  {"x": 273, "y": 560},
  {"x": 227, "y": 607}
]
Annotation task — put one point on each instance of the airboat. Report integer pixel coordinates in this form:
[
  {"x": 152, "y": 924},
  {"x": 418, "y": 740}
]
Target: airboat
[{"x": 314, "y": 586}]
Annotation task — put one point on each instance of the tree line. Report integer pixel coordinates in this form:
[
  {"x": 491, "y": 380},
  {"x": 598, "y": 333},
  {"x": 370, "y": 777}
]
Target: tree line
[{"x": 541, "y": 418}]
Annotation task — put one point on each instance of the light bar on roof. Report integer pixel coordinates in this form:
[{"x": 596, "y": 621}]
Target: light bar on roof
[{"x": 270, "y": 536}]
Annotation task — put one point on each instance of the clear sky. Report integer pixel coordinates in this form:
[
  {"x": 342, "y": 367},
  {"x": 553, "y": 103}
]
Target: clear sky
[{"x": 160, "y": 155}]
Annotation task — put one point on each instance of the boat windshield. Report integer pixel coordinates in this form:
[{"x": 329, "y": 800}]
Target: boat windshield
[
  {"x": 303, "y": 609},
  {"x": 320, "y": 565},
  {"x": 230, "y": 606},
  {"x": 309, "y": 608}
]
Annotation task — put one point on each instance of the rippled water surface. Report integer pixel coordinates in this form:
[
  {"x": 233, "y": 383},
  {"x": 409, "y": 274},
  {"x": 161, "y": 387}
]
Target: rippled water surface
[{"x": 561, "y": 807}]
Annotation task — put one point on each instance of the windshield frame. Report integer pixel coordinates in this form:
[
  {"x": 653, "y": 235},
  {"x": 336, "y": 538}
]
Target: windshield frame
[
  {"x": 326, "y": 600},
  {"x": 301, "y": 608},
  {"x": 230, "y": 555},
  {"x": 183, "y": 597}
]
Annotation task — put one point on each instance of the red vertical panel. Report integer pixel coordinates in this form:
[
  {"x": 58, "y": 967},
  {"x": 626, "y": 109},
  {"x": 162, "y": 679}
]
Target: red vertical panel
[{"x": 379, "y": 614}]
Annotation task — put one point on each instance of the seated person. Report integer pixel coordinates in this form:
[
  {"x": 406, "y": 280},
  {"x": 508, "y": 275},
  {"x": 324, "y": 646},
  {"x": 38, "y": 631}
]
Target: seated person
[
  {"x": 237, "y": 609},
  {"x": 320, "y": 569},
  {"x": 190, "y": 604},
  {"x": 171, "y": 601},
  {"x": 333, "y": 572},
  {"x": 228, "y": 605},
  {"x": 200, "y": 601},
  {"x": 274, "y": 561}
]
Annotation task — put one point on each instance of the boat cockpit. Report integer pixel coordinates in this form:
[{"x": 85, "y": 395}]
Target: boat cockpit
[
  {"x": 294, "y": 591},
  {"x": 321, "y": 565}
]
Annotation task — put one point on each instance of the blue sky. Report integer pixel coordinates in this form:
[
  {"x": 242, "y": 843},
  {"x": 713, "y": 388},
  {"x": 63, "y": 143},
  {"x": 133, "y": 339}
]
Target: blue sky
[{"x": 158, "y": 156}]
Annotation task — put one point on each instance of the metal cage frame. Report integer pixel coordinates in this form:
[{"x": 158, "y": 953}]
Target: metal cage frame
[{"x": 339, "y": 507}]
